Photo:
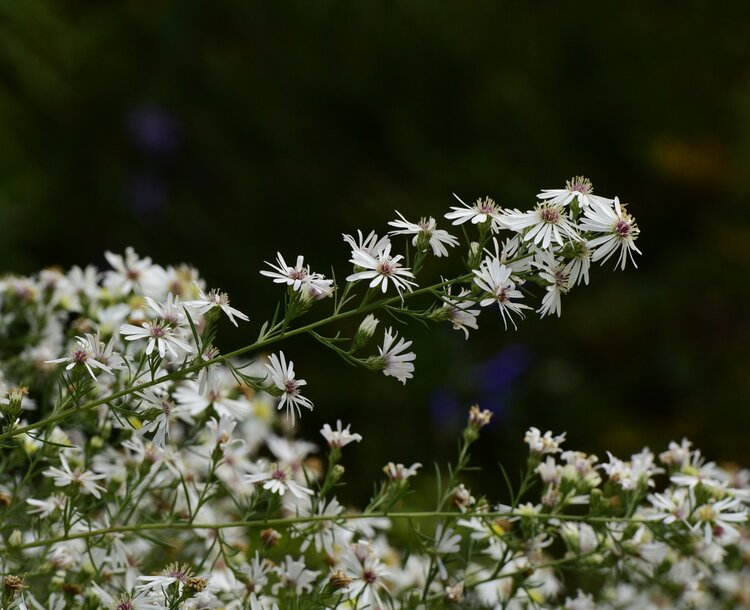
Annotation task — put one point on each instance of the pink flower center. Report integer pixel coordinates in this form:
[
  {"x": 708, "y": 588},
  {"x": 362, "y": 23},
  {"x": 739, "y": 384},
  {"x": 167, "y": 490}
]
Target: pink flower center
[
  {"x": 550, "y": 215},
  {"x": 582, "y": 186},
  {"x": 561, "y": 278},
  {"x": 279, "y": 475},
  {"x": 80, "y": 356},
  {"x": 622, "y": 229},
  {"x": 386, "y": 267}
]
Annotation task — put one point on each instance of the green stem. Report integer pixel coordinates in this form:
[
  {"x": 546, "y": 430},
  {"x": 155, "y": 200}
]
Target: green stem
[{"x": 290, "y": 521}]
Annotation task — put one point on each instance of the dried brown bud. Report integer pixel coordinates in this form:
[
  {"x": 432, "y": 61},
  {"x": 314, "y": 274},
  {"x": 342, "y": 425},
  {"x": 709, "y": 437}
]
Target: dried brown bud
[
  {"x": 462, "y": 498},
  {"x": 197, "y": 584},
  {"x": 455, "y": 594},
  {"x": 479, "y": 418},
  {"x": 5, "y": 499},
  {"x": 339, "y": 580},
  {"x": 13, "y": 584},
  {"x": 71, "y": 588},
  {"x": 270, "y": 537}
]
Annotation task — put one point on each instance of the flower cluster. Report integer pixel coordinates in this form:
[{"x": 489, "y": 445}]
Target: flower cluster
[{"x": 143, "y": 468}]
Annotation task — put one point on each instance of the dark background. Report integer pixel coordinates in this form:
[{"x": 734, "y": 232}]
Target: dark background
[{"x": 218, "y": 132}]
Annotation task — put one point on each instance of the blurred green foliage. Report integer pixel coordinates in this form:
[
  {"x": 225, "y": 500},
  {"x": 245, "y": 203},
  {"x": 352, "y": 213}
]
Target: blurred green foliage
[{"x": 219, "y": 132}]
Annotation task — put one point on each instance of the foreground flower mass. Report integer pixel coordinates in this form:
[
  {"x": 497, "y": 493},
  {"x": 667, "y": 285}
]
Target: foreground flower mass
[{"x": 145, "y": 468}]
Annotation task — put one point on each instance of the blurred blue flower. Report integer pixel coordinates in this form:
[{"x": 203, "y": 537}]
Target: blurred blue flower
[
  {"x": 495, "y": 379},
  {"x": 493, "y": 385},
  {"x": 445, "y": 409},
  {"x": 154, "y": 131},
  {"x": 147, "y": 194}
]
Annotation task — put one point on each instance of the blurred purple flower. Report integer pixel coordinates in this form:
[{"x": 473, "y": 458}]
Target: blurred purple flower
[
  {"x": 154, "y": 131},
  {"x": 147, "y": 194},
  {"x": 494, "y": 382},
  {"x": 495, "y": 379},
  {"x": 445, "y": 409}
]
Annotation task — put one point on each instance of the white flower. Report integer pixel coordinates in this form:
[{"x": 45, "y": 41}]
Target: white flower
[
  {"x": 577, "y": 268},
  {"x": 717, "y": 518},
  {"x": 291, "y": 452},
  {"x": 256, "y": 572},
  {"x": 173, "y": 573},
  {"x": 399, "y": 472},
  {"x": 495, "y": 278},
  {"x": 44, "y": 508},
  {"x": 326, "y": 534},
  {"x": 620, "y": 232},
  {"x": 161, "y": 336},
  {"x": 169, "y": 311},
  {"x": 221, "y": 431},
  {"x": 299, "y": 277},
  {"x": 580, "y": 537},
  {"x": 575, "y": 187},
  {"x": 678, "y": 454},
  {"x": 558, "y": 278},
  {"x": 84, "y": 353},
  {"x": 256, "y": 604},
  {"x": 85, "y": 479},
  {"x": 543, "y": 444},
  {"x": 630, "y": 475},
  {"x": 340, "y": 437},
  {"x": 549, "y": 472},
  {"x": 381, "y": 268},
  {"x": 140, "y": 601},
  {"x": 460, "y": 311},
  {"x": 479, "y": 212},
  {"x": 582, "y": 601},
  {"x": 362, "y": 564},
  {"x": 295, "y": 576},
  {"x": 370, "y": 245},
  {"x": 671, "y": 506},
  {"x": 132, "y": 273},
  {"x": 279, "y": 480},
  {"x": 189, "y": 394},
  {"x": 427, "y": 230},
  {"x": 393, "y": 361},
  {"x": 546, "y": 222},
  {"x": 282, "y": 377},
  {"x": 168, "y": 412},
  {"x": 215, "y": 298},
  {"x": 446, "y": 541},
  {"x": 208, "y": 376}
]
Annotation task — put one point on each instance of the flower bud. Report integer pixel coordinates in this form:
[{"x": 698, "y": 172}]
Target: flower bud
[
  {"x": 455, "y": 594},
  {"x": 339, "y": 580},
  {"x": 197, "y": 584},
  {"x": 337, "y": 472},
  {"x": 479, "y": 418},
  {"x": 365, "y": 332},
  {"x": 15, "y": 538},
  {"x": 462, "y": 498},
  {"x": 12, "y": 584},
  {"x": 475, "y": 255},
  {"x": 270, "y": 537}
]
